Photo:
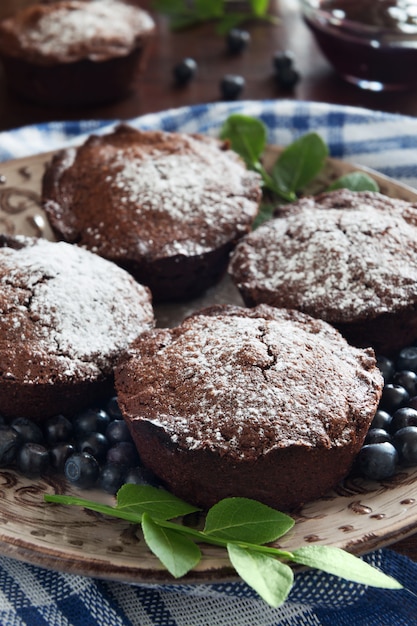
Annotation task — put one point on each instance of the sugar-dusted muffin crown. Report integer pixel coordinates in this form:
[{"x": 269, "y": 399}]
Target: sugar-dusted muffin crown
[
  {"x": 65, "y": 313},
  {"x": 135, "y": 194},
  {"x": 341, "y": 256},
  {"x": 69, "y": 30},
  {"x": 242, "y": 382}
]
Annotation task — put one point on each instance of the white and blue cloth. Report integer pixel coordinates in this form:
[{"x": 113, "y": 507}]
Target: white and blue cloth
[{"x": 33, "y": 596}]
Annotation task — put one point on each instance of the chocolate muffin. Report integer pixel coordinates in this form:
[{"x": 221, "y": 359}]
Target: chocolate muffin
[
  {"x": 262, "y": 403},
  {"x": 168, "y": 207},
  {"x": 66, "y": 316},
  {"x": 347, "y": 258},
  {"x": 75, "y": 52}
]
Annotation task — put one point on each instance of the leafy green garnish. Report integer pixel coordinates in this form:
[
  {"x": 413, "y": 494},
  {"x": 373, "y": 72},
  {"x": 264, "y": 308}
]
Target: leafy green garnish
[
  {"x": 355, "y": 181},
  {"x": 240, "y": 519},
  {"x": 300, "y": 163},
  {"x": 177, "y": 552},
  {"x": 158, "y": 503},
  {"x": 240, "y": 525},
  {"x": 184, "y": 13},
  {"x": 271, "y": 578},
  {"x": 295, "y": 167}
]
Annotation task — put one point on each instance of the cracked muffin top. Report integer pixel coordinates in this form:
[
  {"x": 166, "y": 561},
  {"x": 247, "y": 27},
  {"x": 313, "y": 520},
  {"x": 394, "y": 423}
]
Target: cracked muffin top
[
  {"x": 342, "y": 256},
  {"x": 134, "y": 195},
  {"x": 242, "y": 382},
  {"x": 65, "y": 313},
  {"x": 65, "y": 31}
]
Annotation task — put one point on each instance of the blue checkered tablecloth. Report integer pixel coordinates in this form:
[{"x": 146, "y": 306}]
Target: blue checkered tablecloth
[{"x": 33, "y": 596}]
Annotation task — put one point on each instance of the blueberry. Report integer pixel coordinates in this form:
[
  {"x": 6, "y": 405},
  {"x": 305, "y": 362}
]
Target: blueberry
[
  {"x": 407, "y": 379},
  {"x": 382, "y": 419},
  {"x": 185, "y": 71},
  {"x": 377, "y": 435},
  {"x": 10, "y": 442},
  {"x": 386, "y": 367},
  {"x": 407, "y": 359},
  {"x": 412, "y": 402},
  {"x": 117, "y": 431},
  {"x": 95, "y": 444},
  {"x": 111, "y": 478},
  {"x": 57, "y": 428},
  {"x": 237, "y": 40},
  {"x": 123, "y": 453},
  {"x": 32, "y": 459},
  {"x": 285, "y": 73},
  {"x": 288, "y": 77},
  {"x": 377, "y": 461},
  {"x": 58, "y": 455},
  {"x": 393, "y": 397},
  {"x": 283, "y": 60},
  {"x": 113, "y": 409},
  {"x": 90, "y": 421},
  {"x": 406, "y": 416},
  {"x": 141, "y": 476},
  {"x": 231, "y": 86},
  {"x": 28, "y": 430},
  {"x": 82, "y": 470},
  {"x": 405, "y": 441}
]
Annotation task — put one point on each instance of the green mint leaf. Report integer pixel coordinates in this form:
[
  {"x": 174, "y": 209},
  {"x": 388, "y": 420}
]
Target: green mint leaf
[
  {"x": 259, "y": 7},
  {"x": 209, "y": 9},
  {"x": 343, "y": 564},
  {"x": 179, "y": 22},
  {"x": 300, "y": 162},
  {"x": 229, "y": 21},
  {"x": 177, "y": 553},
  {"x": 266, "y": 211},
  {"x": 156, "y": 502},
  {"x": 269, "y": 577},
  {"x": 247, "y": 136},
  {"x": 104, "y": 509},
  {"x": 354, "y": 181},
  {"x": 245, "y": 520},
  {"x": 171, "y": 7}
]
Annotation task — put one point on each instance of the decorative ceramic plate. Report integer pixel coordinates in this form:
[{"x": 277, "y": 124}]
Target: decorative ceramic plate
[{"x": 358, "y": 516}]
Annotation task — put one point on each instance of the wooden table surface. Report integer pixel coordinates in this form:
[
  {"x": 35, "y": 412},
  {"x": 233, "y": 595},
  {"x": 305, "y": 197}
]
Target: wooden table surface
[{"x": 156, "y": 90}]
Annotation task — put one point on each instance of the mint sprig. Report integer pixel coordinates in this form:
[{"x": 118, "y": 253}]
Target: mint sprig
[
  {"x": 184, "y": 13},
  {"x": 242, "y": 526},
  {"x": 295, "y": 168}
]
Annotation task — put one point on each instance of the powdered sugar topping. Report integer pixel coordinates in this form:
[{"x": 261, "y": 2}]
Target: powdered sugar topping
[
  {"x": 171, "y": 193},
  {"x": 69, "y": 310},
  {"x": 244, "y": 385},
  {"x": 96, "y": 29},
  {"x": 334, "y": 263}
]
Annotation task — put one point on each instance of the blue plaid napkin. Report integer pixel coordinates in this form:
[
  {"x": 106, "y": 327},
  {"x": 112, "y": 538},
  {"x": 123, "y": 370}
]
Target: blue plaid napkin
[{"x": 33, "y": 596}]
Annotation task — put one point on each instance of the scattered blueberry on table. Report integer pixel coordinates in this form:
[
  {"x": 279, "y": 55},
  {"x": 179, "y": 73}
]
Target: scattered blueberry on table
[
  {"x": 185, "y": 70},
  {"x": 286, "y": 74},
  {"x": 237, "y": 40},
  {"x": 231, "y": 86}
]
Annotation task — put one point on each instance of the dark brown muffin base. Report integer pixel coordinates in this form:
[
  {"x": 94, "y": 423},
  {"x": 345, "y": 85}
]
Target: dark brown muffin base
[
  {"x": 78, "y": 83},
  {"x": 180, "y": 278},
  {"x": 41, "y": 401},
  {"x": 263, "y": 403},
  {"x": 204, "y": 477}
]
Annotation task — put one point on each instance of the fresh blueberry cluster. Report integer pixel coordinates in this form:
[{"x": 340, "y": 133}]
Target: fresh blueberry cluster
[
  {"x": 392, "y": 438},
  {"x": 93, "y": 449}
]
